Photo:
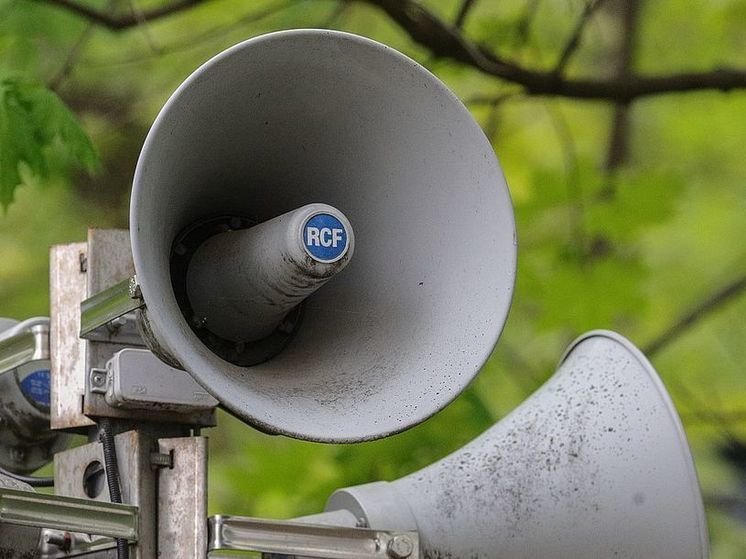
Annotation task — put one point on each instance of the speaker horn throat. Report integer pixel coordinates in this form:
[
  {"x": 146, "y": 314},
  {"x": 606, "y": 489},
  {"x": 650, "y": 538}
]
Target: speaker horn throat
[{"x": 241, "y": 284}]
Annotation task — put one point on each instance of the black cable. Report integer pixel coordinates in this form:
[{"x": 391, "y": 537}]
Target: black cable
[
  {"x": 106, "y": 437},
  {"x": 30, "y": 480}
]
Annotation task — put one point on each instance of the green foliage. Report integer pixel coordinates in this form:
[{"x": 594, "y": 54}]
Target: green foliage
[
  {"x": 39, "y": 136},
  {"x": 631, "y": 251}
]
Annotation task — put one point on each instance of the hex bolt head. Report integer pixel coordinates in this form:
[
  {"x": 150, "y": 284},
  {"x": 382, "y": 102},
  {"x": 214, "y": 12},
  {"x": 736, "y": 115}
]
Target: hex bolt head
[
  {"x": 400, "y": 547},
  {"x": 17, "y": 454}
]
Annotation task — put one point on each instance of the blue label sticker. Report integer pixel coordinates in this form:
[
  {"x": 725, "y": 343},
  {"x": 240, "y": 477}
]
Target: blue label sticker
[
  {"x": 325, "y": 238},
  {"x": 36, "y": 387}
]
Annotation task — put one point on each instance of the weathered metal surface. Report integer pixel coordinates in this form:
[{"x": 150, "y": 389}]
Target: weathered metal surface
[
  {"x": 310, "y": 540},
  {"x": 418, "y": 310},
  {"x": 182, "y": 499},
  {"x": 594, "y": 464},
  {"x": 24, "y": 508},
  {"x": 17, "y": 542},
  {"x": 137, "y": 479},
  {"x": 109, "y": 262},
  {"x": 68, "y": 352},
  {"x": 79, "y": 271}
]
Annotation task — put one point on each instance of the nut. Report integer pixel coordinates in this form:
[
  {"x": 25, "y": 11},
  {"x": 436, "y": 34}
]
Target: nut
[{"x": 400, "y": 547}]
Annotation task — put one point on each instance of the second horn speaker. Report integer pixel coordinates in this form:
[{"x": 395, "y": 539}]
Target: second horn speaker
[{"x": 594, "y": 465}]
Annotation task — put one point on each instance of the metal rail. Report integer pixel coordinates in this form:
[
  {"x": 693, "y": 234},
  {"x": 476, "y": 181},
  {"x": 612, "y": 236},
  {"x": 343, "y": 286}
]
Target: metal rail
[
  {"x": 24, "y": 508},
  {"x": 309, "y": 540}
]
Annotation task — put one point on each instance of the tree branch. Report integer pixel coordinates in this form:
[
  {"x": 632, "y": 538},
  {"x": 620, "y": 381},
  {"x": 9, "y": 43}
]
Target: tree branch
[
  {"x": 573, "y": 43},
  {"x": 72, "y": 58},
  {"x": 711, "y": 304},
  {"x": 124, "y": 21},
  {"x": 446, "y": 41},
  {"x": 463, "y": 11},
  {"x": 618, "y": 150},
  {"x": 708, "y": 417}
]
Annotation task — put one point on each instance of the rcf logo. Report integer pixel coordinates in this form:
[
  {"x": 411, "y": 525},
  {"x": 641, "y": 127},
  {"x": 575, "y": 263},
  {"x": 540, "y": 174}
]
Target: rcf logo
[{"x": 325, "y": 237}]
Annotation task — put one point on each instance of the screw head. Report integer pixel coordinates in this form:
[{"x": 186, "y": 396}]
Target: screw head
[
  {"x": 400, "y": 547},
  {"x": 98, "y": 379},
  {"x": 17, "y": 454}
]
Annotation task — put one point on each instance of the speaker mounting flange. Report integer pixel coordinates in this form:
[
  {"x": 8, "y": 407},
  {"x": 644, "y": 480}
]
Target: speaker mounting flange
[{"x": 242, "y": 353}]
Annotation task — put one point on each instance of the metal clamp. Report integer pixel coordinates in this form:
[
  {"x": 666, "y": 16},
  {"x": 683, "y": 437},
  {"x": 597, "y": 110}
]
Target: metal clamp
[{"x": 309, "y": 540}]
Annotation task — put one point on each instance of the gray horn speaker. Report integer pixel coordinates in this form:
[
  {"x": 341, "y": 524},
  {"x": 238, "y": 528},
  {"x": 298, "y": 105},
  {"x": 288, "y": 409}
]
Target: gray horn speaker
[
  {"x": 594, "y": 465},
  {"x": 238, "y": 294}
]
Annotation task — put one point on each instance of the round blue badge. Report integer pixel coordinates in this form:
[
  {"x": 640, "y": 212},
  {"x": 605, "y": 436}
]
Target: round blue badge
[
  {"x": 36, "y": 387},
  {"x": 325, "y": 237}
]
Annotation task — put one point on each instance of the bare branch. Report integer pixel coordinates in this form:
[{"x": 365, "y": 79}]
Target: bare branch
[
  {"x": 576, "y": 207},
  {"x": 492, "y": 100},
  {"x": 463, "y": 11},
  {"x": 338, "y": 11},
  {"x": 618, "y": 150},
  {"x": 708, "y": 417},
  {"x": 196, "y": 41},
  {"x": 124, "y": 21},
  {"x": 704, "y": 309},
  {"x": 574, "y": 42},
  {"x": 523, "y": 26},
  {"x": 731, "y": 504},
  {"x": 72, "y": 58},
  {"x": 445, "y": 41},
  {"x": 137, "y": 13}
]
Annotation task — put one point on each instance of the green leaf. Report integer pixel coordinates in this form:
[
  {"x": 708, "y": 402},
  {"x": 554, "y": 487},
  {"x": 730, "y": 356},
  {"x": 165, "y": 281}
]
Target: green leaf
[{"x": 39, "y": 137}]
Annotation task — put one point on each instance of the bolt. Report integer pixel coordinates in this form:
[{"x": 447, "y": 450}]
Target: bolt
[
  {"x": 17, "y": 454},
  {"x": 286, "y": 326},
  {"x": 162, "y": 459},
  {"x": 98, "y": 379},
  {"x": 61, "y": 540},
  {"x": 400, "y": 547}
]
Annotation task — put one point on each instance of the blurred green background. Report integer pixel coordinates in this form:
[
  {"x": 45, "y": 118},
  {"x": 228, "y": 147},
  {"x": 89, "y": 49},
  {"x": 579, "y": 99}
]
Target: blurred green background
[{"x": 645, "y": 234}]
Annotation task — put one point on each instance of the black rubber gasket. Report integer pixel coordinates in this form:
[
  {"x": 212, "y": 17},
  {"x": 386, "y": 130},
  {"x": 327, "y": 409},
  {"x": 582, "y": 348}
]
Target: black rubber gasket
[{"x": 239, "y": 353}]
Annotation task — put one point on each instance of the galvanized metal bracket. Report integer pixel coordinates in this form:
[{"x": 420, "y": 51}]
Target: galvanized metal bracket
[
  {"x": 24, "y": 508},
  {"x": 309, "y": 540},
  {"x": 79, "y": 271},
  {"x": 107, "y": 315},
  {"x": 25, "y": 346}
]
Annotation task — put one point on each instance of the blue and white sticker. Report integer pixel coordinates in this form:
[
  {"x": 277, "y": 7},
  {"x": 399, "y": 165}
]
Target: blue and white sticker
[
  {"x": 325, "y": 237},
  {"x": 36, "y": 387}
]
